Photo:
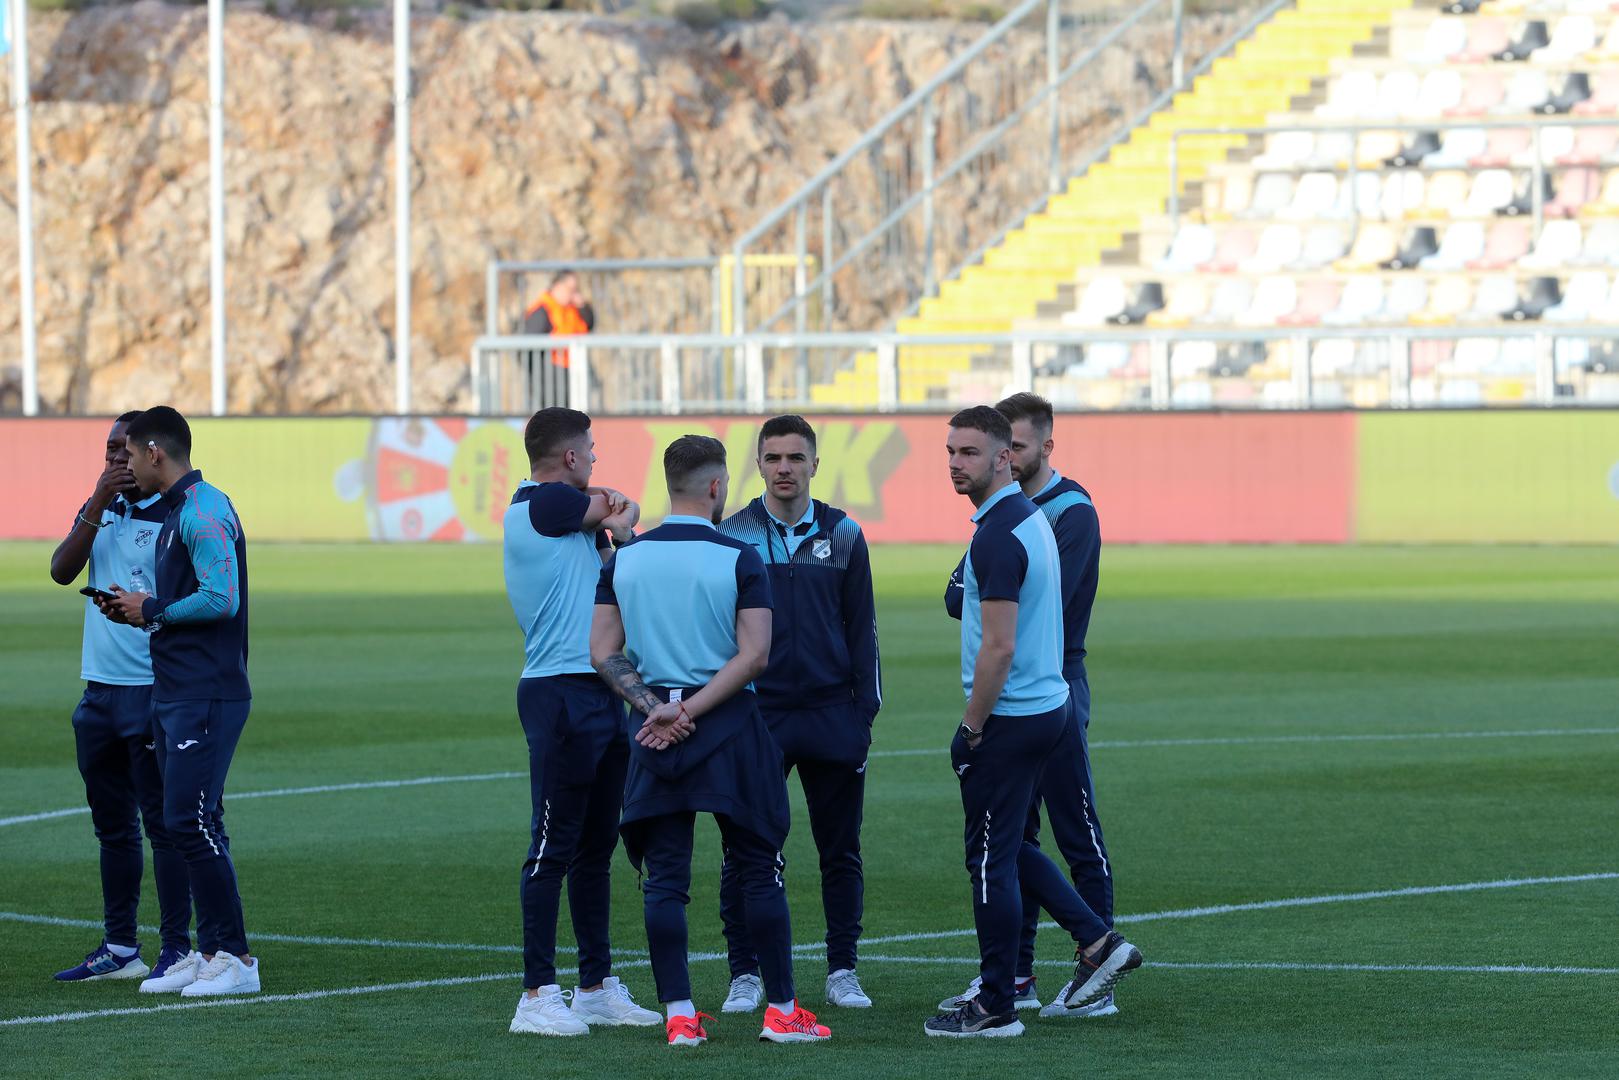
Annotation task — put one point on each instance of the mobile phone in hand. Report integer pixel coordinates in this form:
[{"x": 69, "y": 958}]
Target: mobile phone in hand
[{"x": 98, "y": 594}]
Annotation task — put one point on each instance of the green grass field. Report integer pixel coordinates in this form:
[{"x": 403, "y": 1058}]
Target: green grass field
[{"x": 1269, "y": 723}]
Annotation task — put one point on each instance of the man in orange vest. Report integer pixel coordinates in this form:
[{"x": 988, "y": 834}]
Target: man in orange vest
[{"x": 562, "y": 311}]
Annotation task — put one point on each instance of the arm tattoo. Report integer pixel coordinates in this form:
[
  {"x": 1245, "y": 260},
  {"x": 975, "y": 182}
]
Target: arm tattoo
[{"x": 618, "y": 673}]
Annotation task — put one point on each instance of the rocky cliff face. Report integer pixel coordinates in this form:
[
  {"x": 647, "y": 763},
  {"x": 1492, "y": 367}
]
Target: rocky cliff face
[{"x": 535, "y": 136}]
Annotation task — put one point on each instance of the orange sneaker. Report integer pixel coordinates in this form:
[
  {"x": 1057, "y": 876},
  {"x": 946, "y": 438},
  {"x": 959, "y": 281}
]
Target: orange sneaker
[
  {"x": 796, "y": 1026},
  {"x": 687, "y": 1030}
]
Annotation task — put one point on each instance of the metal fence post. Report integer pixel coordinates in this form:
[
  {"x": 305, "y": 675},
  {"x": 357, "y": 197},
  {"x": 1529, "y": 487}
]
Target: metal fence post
[
  {"x": 1175, "y": 185},
  {"x": 1178, "y": 64},
  {"x": 800, "y": 282},
  {"x": 578, "y": 376},
  {"x": 1022, "y": 365},
  {"x": 1400, "y": 372},
  {"x": 1159, "y": 390},
  {"x": 1545, "y": 370},
  {"x": 479, "y": 387},
  {"x": 1053, "y": 76},
  {"x": 1354, "y": 192},
  {"x": 930, "y": 128},
  {"x": 887, "y": 376},
  {"x": 826, "y": 256},
  {"x": 669, "y": 376},
  {"x": 491, "y": 299},
  {"x": 1537, "y": 181},
  {"x": 1303, "y": 391},
  {"x": 739, "y": 292},
  {"x": 753, "y": 374}
]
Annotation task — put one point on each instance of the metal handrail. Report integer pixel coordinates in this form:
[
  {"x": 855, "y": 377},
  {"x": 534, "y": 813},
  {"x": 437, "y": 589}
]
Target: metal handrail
[
  {"x": 863, "y": 341},
  {"x": 923, "y": 99},
  {"x": 1101, "y": 153},
  {"x": 749, "y": 392},
  {"x": 1356, "y": 128}
]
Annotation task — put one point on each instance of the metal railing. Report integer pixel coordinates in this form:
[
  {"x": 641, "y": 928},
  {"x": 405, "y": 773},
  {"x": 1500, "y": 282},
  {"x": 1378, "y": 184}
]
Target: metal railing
[
  {"x": 1296, "y": 367},
  {"x": 968, "y": 153},
  {"x": 1353, "y": 130},
  {"x": 645, "y": 296}
]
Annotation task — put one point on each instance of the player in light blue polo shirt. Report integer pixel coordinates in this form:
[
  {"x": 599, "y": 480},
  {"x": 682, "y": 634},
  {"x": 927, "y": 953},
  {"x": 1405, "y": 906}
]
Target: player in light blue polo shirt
[
  {"x": 682, "y": 628},
  {"x": 557, "y": 531},
  {"x": 115, "y": 534},
  {"x": 1007, "y": 593}
]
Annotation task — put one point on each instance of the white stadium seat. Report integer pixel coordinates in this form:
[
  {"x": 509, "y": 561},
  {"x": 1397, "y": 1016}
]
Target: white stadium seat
[
  {"x": 1574, "y": 36},
  {"x": 1192, "y": 247},
  {"x": 1583, "y": 294},
  {"x": 1457, "y": 148},
  {"x": 1462, "y": 243},
  {"x": 1560, "y": 243},
  {"x": 1104, "y": 298}
]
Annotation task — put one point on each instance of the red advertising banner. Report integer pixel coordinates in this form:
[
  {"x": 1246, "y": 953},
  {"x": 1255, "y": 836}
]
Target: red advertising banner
[{"x": 1156, "y": 478}]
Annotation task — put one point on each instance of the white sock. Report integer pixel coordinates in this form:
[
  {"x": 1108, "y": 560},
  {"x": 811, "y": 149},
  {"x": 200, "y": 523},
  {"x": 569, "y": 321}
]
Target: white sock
[
  {"x": 787, "y": 1009},
  {"x": 122, "y": 952},
  {"x": 681, "y": 1008}
]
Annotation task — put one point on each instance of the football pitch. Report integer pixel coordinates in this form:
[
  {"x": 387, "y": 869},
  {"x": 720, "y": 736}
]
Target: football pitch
[{"x": 1362, "y": 806}]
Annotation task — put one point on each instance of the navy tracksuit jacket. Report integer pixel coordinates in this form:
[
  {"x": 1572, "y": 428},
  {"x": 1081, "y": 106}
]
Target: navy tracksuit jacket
[{"x": 819, "y": 696}]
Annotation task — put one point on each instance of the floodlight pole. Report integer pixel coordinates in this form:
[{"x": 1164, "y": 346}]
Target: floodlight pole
[
  {"x": 20, "y": 95},
  {"x": 218, "y": 403},
  {"x": 402, "y": 206}
]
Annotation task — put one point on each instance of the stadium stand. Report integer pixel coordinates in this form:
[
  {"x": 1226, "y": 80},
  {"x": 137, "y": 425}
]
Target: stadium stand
[{"x": 1489, "y": 198}]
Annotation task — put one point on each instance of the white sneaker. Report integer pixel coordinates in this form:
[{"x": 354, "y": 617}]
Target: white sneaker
[
  {"x": 1059, "y": 1007},
  {"x": 747, "y": 994},
  {"x": 224, "y": 974},
  {"x": 547, "y": 1013},
  {"x": 178, "y": 975},
  {"x": 612, "y": 1006},
  {"x": 843, "y": 988},
  {"x": 1024, "y": 995}
]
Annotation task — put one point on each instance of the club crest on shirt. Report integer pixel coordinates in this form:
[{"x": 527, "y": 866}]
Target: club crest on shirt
[
  {"x": 821, "y": 549},
  {"x": 144, "y": 537}
]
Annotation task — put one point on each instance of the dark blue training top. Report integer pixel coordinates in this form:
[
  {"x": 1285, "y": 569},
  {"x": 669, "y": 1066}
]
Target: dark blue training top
[
  {"x": 823, "y": 644},
  {"x": 1072, "y": 514},
  {"x": 199, "y": 646}
]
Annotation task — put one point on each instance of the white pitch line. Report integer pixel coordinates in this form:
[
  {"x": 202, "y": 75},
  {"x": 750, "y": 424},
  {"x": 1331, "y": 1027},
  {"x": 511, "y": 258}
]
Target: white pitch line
[
  {"x": 1100, "y": 744},
  {"x": 1283, "y": 965},
  {"x": 307, "y": 995},
  {"x": 1258, "y": 740},
  {"x": 894, "y": 939},
  {"x": 1270, "y": 905},
  {"x": 318, "y": 789}
]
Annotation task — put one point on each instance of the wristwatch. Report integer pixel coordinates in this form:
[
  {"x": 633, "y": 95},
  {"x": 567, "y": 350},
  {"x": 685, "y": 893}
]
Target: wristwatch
[{"x": 969, "y": 733}]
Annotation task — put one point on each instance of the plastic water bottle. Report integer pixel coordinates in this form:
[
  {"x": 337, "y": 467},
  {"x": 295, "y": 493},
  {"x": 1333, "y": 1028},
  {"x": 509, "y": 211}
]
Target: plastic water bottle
[{"x": 139, "y": 582}]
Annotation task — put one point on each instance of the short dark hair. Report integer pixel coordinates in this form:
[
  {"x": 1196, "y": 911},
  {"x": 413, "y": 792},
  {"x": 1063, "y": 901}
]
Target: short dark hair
[
  {"x": 164, "y": 426},
  {"x": 549, "y": 430},
  {"x": 1026, "y": 406},
  {"x": 985, "y": 419},
  {"x": 560, "y": 276},
  {"x": 688, "y": 457},
  {"x": 788, "y": 424},
  {"x": 127, "y": 417}
]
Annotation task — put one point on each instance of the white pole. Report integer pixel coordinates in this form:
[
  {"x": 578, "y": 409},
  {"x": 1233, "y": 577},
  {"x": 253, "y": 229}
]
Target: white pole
[
  {"x": 20, "y": 94},
  {"x": 216, "y": 206},
  {"x": 402, "y": 206}
]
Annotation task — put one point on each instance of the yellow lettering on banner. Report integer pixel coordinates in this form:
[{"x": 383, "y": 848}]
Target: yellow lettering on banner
[
  {"x": 654, "y": 495},
  {"x": 856, "y": 457},
  {"x": 852, "y": 456}
]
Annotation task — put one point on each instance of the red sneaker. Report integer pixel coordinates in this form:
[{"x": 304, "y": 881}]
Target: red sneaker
[
  {"x": 687, "y": 1030},
  {"x": 796, "y": 1026}
]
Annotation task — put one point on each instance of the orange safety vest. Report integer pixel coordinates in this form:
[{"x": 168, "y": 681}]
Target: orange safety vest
[{"x": 565, "y": 322}]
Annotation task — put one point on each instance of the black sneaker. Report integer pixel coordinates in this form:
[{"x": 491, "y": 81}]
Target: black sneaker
[
  {"x": 1095, "y": 976},
  {"x": 972, "y": 1022}
]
